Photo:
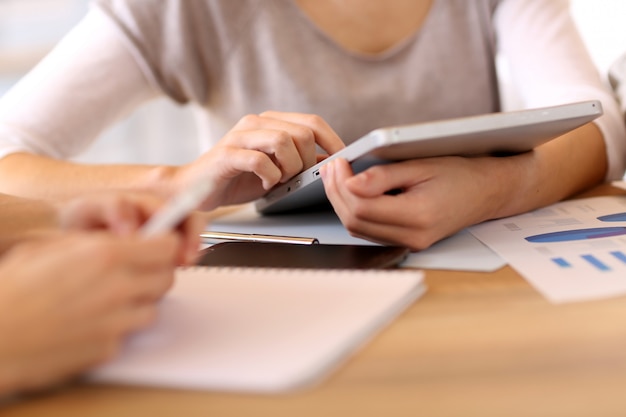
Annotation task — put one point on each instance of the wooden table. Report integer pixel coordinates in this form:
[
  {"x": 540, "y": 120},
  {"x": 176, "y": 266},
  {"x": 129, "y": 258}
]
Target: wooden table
[{"x": 477, "y": 344}]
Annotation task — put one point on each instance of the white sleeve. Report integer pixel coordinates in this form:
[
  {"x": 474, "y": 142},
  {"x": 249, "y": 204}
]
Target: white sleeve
[
  {"x": 86, "y": 83},
  {"x": 550, "y": 65}
]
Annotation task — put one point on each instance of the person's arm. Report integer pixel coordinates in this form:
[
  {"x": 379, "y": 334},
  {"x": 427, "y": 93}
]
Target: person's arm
[
  {"x": 74, "y": 94},
  {"x": 88, "y": 82},
  {"x": 121, "y": 214},
  {"x": 68, "y": 303},
  {"x": 444, "y": 195},
  {"x": 550, "y": 64},
  {"x": 68, "y": 299},
  {"x": 24, "y": 219}
]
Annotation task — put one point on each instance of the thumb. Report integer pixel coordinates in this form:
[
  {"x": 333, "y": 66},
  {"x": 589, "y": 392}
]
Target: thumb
[{"x": 381, "y": 179}]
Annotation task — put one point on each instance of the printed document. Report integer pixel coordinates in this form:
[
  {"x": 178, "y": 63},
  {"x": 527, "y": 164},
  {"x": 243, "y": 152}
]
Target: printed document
[{"x": 570, "y": 251}]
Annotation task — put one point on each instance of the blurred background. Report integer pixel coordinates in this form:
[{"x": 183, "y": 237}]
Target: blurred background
[{"x": 30, "y": 28}]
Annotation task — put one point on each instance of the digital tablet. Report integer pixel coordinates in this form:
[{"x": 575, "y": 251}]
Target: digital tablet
[{"x": 503, "y": 133}]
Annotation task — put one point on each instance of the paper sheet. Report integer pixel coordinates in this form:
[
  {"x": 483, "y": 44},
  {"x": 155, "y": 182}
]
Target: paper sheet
[
  {"x": 260, "y": 330},
  {"x": 570, "y": 251},
  {"x": 459, "y": 252}
]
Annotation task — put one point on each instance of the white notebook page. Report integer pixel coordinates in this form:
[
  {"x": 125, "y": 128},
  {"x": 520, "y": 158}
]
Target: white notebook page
[{"x": 260, "y": 330}]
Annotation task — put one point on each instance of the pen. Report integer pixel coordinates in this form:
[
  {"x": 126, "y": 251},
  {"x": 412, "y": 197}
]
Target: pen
[
  {"x": 214, "y": 237},
  {"x": 177, "y": 208}
]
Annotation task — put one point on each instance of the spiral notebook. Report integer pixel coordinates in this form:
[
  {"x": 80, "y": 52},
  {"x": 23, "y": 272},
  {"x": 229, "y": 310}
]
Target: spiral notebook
[{"x": 260, "y": 329}]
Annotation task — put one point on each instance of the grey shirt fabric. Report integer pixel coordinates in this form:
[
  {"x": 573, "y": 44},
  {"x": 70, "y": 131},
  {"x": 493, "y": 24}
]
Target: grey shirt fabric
[
  {"x": 248, "y": 56},
  {"x": 229, "y": 58}
]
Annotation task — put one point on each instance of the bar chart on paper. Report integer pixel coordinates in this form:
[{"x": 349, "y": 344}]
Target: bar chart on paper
[
  {"x": 570, "y": 251},
  {"x": 602, "y": 260}
]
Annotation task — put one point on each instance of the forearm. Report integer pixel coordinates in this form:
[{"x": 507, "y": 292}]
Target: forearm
[
  {"x": 550, "y": 64},
  {"x": 25, "y": 219},
  {"x": 32, "y": 176},
  {"x": 554, "y": 171},
  {"x": 62, "y": 106}
]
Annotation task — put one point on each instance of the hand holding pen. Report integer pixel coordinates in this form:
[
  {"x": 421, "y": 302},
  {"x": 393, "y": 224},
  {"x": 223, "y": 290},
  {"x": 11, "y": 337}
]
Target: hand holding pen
[
  {"x": 178, "y": 213},
  {"x": 188, "y": 200}
]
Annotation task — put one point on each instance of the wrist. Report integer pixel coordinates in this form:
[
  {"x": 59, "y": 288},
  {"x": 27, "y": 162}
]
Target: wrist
[
  {"x": 162, "y": 181},
  {"x": 507, "y": 183},
  {"x": 187, "y": 176}
]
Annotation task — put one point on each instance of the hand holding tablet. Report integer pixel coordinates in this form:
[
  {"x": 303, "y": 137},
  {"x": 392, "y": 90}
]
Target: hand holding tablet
[{"x": 495, "y": 133}]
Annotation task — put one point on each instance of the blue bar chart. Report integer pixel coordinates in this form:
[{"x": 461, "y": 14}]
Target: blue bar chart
[{"x": 570, "y": 251}]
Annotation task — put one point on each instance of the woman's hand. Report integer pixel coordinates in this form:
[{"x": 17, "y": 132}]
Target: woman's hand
[
  {"x": 433, "y": 198},
  {"x": 258, "y": 153},
  {"x": 441, "y": 196},
  {"x": 68, "y": 302},
  {"x": 123, "y": 214}
]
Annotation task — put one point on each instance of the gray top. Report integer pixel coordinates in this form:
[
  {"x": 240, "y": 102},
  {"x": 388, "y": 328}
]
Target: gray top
[
  {"x": 247, "y": 56},
  {"x": 230, "y": 58}
]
